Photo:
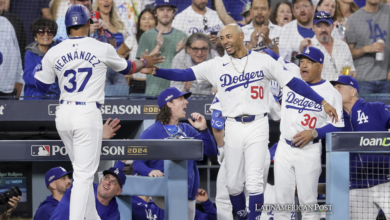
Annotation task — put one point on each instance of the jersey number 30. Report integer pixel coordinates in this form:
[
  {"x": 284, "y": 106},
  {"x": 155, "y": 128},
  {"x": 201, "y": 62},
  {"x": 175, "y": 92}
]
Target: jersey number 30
[
  {"x": 311, "y": 121},
  {"x": 257, "y": 92},
  {"x": 72, "y": 80}
]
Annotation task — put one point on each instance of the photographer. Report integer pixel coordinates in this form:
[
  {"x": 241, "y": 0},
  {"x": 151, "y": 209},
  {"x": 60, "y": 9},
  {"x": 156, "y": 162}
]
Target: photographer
[{"x": 10, "y": 207}]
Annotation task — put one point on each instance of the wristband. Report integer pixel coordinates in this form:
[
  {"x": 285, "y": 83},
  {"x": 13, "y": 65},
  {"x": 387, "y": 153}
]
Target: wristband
[
  {"x": 134, "y": 67},
  {"x": 146, "y": 63}
]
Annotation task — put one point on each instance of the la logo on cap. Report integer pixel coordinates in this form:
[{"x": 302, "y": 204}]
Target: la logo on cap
[
  {"x": 307, "y": 51},
  {"x": 63, "y": 169},
  {"x": 116, "y": 171}
]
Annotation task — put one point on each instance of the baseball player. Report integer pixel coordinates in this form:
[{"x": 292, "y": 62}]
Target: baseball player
[
  {"x": 80, "y": 63},
  {"x": 242, "y": 78},
  {"x": 172, "y": 104},
  {"x": 303, "y": 123},
  {"x": 58, "y": 180},
  {"x": 104, "y": 194},
  {"x": 369, "y": 184}
]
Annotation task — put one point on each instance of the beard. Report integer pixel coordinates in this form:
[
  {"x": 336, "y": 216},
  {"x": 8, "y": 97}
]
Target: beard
[
  {"x": 165, "y": 22},
  {"x": 201, "y": 6},
  {"x": 324, "y": 39},
  {"x": 258, "y": 22}
]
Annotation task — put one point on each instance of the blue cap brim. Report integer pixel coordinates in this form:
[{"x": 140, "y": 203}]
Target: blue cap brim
[
  {"x": 321, "y": 20},
  {"x": 300, "y": 56},
  {"x": 105, "y": 172}
]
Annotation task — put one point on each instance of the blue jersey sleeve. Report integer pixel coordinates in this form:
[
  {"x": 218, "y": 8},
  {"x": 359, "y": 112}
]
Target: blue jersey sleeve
[
  {"x": 304, "y": 90},
  {"x": 44, "y": 213},
  {"x": 210, "y": 212},
  {"x": 385, "y": 116},
  {"x": 120, "y": 165},
  {"x": 210, "y": 149},
  {"x": 176, "y": 74}
]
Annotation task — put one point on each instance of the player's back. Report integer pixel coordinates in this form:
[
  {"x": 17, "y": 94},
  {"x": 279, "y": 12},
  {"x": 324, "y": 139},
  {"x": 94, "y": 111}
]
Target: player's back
[{"x": 80, "y": 65}]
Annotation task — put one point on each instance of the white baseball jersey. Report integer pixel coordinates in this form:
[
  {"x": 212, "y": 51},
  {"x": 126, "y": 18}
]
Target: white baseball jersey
[
  {"x": 274, "y": 106},
  {"x": 299, "y": 113},
  {"x": 289, "y": 41},
  {"x": 80, "y": 65},
  {"x": 191, "y": 22},
  {"x": 333, "y": 63},
  {"x": 274, "y": 34},
  {"x": 242, "y": 90}
]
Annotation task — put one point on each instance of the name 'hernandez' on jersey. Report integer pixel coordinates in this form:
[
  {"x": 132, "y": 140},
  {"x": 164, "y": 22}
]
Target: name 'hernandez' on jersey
[
  {"x": 80, "y": 65},
  {"x": 243, "y": 91}
]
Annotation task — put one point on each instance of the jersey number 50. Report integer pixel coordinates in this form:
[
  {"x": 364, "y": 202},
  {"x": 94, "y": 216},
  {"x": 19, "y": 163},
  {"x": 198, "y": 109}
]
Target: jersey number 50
[
  {"x": 258, "y": 92},
  {"x": 73, "y": 79}
]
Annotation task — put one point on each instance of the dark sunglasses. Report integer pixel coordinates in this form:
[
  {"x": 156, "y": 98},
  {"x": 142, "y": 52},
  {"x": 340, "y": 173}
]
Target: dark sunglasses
[
  {"x": 41, "y": 32},
  {"x": 205, "y": 27}
]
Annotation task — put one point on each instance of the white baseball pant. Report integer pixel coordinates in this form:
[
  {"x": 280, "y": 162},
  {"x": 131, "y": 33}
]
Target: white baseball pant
[
  {"x": 80, "y": 128},
  {"x": 246, "y": 147},
  {"x": 366, "y": 203},
  {"x": 222, "y": 199},
  {"x": 299, "y": 167}
]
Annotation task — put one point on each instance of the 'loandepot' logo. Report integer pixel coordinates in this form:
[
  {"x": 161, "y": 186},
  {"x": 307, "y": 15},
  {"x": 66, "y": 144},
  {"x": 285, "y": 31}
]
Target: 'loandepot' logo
[{"x": 375, "y": 141}]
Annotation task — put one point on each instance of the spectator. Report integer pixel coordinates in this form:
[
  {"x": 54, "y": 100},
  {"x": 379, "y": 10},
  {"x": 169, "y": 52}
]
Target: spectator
[
  {"x": 330, "y": 7},
  {"x": 62, "y": 33},
  {"x": 58, "y": 8},
  {"x": 366, "y": 27},
  {"x": 197, "y": 50},
  {"x": 57, "y": 180},
  {"x": 343, "y": 10},
  {"x": 227, "y": 19},
  {"x": 128, "y": 11},
  {"x": 29, "y": 11},
  {"x": 336, "y": 52},
  {"x": 294, "y": 32},
  {"x": 261, "y": 34},
  {"x": 11, "y": 80},
  {"x": 162, "y": 38},
  {"x": 109, "y": 15},
  {"x": 282, "y": 14},
  {"x": 17, "y": 23},
  {"x": 143, "y": 208},
  {"x": 172, "y": 103},
  {"x": 146, "y": 22},
  {"x": 43, "y": 30},
  {"x": 199, "y": 18}
]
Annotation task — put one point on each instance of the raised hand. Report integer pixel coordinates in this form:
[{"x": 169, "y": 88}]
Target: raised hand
[
  {"x": 152, "y": 59},
  {"x": 180, "y": 45},
  {"x": 202, "y": 195},
  {"x": 200, "y": 121},
  {"x": 109, "y": 128},
  {"x": 160, "y": 39}
]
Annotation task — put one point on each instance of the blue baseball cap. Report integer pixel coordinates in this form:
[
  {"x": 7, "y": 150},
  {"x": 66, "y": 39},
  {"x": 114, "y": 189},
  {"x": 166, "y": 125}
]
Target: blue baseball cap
[
  {"x": 118, "y": 173},
  {"x": 56, "y": 173},
  {"x": 160, "y": 3},
  {"x": 312, "y": 53},
  {"x": 346, "y": 80},
  {"x": 169, "y": 94},
  {"x": 323, "y": 16}
]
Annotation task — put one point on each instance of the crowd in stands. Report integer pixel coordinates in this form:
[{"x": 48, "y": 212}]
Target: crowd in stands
[{"x": 354, "y": 38}]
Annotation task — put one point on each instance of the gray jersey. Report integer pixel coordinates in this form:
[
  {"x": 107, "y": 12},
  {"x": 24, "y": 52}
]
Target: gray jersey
[{"x": 364, "y": 29}]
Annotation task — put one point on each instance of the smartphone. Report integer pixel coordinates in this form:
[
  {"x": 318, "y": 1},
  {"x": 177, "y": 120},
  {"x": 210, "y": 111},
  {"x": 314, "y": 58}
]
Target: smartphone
[{"x": 214, "y": 32}]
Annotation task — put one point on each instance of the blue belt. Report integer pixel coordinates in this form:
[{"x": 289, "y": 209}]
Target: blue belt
[
  {"x": 80, "y": 103},
  {"x": 293, "y": 145},
  {"x": 246, "y": 118}
]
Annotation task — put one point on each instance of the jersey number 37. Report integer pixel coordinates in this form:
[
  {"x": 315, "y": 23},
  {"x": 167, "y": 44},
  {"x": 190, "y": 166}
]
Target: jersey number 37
[{"x": 72, "y": 80}]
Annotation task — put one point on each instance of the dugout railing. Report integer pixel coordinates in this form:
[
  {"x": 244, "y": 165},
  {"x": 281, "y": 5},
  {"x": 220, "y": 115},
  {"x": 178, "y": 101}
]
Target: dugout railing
[
  {"x": 339, "y": 147},
  {"x": 173, "y": 186}
]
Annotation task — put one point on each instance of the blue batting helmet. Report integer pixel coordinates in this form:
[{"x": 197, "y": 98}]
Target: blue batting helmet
[{"x": 77, "y": 15}]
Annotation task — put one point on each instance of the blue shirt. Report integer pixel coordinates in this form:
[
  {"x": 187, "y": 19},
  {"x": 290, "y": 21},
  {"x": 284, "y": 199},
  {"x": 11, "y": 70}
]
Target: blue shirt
[
  {"x": 368, "y": 170},
  {"x": 367, "y": 116},
  {"x": 142, "y": 210},
  {"x": 46, "y": 208},
  {"x": 110, "y": 212},
  {"x": 157, "y": 131},
  {"x": 305, "y": 32}
]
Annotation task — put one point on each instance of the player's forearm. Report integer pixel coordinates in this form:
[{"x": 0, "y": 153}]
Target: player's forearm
[
  {"x": 156, "y": 49},
  {"x": 140, "y": 167},
  {"x": 176, "y": 74},
  {"x": 120, "y": 165},
  {"x": 208, "y": 207},
  {"x": 222, "y": 14},
  {"x": 327, "y": 129},
  {"x": 304, "y": 90},
  {"x": 275, "y": 49},
  {"x": 42, "y": 87},
  {"x": 139, "y": 65},
  {"x": 218, "y": 135},
  {"x": 209, "y": 144}
]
